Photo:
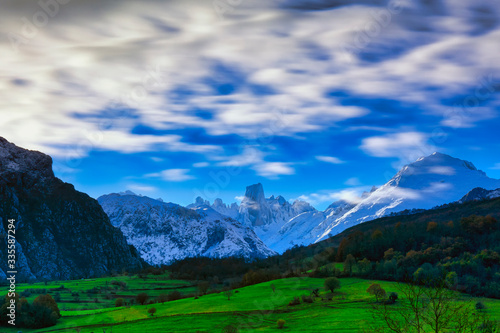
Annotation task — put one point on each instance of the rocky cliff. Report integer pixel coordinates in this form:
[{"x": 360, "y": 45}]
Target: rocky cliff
[{"x": 61, "y": 233}]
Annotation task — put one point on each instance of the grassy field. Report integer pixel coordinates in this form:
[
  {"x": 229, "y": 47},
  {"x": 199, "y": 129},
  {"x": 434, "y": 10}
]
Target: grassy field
[
  {"x": 101, "y": 293},
  {"x": 253, "y": 309}
]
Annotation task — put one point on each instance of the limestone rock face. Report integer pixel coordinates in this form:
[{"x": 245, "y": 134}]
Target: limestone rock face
[{"x": 61, "y": 233}]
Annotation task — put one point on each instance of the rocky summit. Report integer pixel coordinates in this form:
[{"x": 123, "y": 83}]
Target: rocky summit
[{"x": 61, "y": 233}]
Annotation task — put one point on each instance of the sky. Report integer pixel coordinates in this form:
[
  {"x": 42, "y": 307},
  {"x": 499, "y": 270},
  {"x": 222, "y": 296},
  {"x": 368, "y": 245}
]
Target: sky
[{"x": 318, "y": 100}]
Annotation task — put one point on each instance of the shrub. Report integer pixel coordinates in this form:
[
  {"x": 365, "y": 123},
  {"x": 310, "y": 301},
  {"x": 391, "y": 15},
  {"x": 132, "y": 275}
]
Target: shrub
[
  {"x": 332, "y": 284},
  {"x": 480, "y": 306},
  {"x": 294, "y": 301},
  {"x": 142, "y": 298},
  {"x": 162, "y": 298},
  {"x": 119, "y": 302},
  {"x": 152, "y": 311},
  {"x": 174, "y": 295},
  {"x": 280, "y": 323},
  {"x": 230, "y": 329},
  {"x": 306, "y": 299},
  {"x": 392, "y": 298}
]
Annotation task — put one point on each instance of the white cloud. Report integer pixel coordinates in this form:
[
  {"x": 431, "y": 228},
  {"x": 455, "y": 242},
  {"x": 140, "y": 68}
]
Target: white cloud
[
  {"x": 442, "y": 170},
  {"x": 330, "y": 159},
  {"x": 273, "y": 169},
  {"x": 352, "y": 195},
  {"x": 141, "y": 188},
  {"x": 407, "y": 146},
  {"x": 239, "y": 198},
  {"x": 79, "y": 65},
  {"x": 249, "y": 156},
  {"x": 172, "y": 175},
  {"x": 201, "y": 165}
]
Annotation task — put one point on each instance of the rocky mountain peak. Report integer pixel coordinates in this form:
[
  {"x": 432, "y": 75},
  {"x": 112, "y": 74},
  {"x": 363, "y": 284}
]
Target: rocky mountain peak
[
  {"x": 255, "y": 192},
  {"x": 23, "y": 166}
]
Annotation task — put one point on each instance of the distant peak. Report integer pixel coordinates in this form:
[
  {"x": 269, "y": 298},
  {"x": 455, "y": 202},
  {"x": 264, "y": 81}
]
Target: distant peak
[
  {"x": 440, "y": 159},
  {"x": 255, "y": 192},
  {"x": 128, "y": 192}
]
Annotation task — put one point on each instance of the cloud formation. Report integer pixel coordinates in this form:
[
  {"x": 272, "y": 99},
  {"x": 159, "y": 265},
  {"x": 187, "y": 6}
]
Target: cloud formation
[{"x": 82, "y": 76}]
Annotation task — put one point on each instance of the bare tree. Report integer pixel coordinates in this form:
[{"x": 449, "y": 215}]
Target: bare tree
[
  {"x": 429, "y": 308},
  {"x": 228, "y": 292}
]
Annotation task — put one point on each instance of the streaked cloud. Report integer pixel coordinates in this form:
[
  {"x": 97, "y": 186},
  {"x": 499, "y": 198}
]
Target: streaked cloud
[
  {"x": 330, "y": 159},
  {"x": 172, "y": 175}
]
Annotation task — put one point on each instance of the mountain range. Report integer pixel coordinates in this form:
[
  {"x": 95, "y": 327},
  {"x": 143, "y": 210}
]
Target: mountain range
[
  {"x": 63, "y": 233},
  {"x": 428, "y": 182},
  {"x": 164, "y": 232}
]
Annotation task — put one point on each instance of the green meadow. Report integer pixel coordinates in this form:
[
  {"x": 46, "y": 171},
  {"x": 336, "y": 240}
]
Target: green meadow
[{"x": 254, "y": 308}]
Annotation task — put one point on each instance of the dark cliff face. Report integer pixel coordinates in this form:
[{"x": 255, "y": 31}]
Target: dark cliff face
[{"x": 61, "y": 233}]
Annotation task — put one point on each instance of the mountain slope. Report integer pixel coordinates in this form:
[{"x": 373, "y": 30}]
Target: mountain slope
[
  {"x": 480, "y": 194},
  {"x": 61, "y": 233},
  {"x": 164, "y": 232},
  {"x": 430, "y": 181}
]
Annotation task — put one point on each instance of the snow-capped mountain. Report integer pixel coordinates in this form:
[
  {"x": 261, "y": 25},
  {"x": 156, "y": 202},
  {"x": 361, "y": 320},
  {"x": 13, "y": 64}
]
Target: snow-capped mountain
[
  {"x": 277, "y": 222},
  {"x": 163, "y": 232},
  {"x": 430, "y": 181},
  {"x": 219, "y": 206},
  {"x": 480, "y": 194}
]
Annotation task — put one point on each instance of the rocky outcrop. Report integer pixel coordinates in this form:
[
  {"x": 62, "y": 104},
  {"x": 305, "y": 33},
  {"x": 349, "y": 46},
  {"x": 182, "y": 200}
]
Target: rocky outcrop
[{"x": 61, "y": 233}]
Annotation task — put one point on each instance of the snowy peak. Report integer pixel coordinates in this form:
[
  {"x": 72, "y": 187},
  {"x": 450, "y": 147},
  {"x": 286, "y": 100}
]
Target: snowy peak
[
  {"x": 428, "y": 182},
  {"x": 480, "y": 194},
  {"x": 437, "y": 165},
  {"x": 163, "y": 232}
]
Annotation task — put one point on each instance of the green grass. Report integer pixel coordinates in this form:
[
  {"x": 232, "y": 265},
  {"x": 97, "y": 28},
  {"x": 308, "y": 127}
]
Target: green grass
[
  {"x": 254, "y": 308},
  {"x": 153, "y": 285}
]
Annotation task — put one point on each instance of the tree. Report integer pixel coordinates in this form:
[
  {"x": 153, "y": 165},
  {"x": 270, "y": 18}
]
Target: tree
[
  {"x": 332, "y": 284},
  {"x": 203, "y": 287},
  {"x": 152, "y": 311},
  {"x": 228, "y": 292},
  {"x": 280, "y": 323},
  {"x": 48, "y": 302},
  {"x": 430, "y": 309},
  {"x": 376, "y": 290},
  {"x": 230, "y": 329},
  {"x": 393, "y": 297},
  {"x": 142, "y": 298},
  {"x": 119, "y": 302},
  {"x": 162, "y": 298},
  {"x": 174, "y": 295},
  {"x": 349, "y": 264}
]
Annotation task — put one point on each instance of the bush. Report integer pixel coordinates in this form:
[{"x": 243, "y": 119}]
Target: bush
[
  {"x": 307, "y": 299},
  {"x": 281, "y": 323},
  {"x": 162, "y": 298},
  {"x": 294, "y": 301},
  {"x": 174, "y": 295},
  {"x": 230, "y": 329},
  {"x": 392, "y": 298},
  {"x": 119, "y": 302},
  {"x": 142, "y": 298},
  {"x": 480, "y": 306},
  {"x": 332, "y": 284},
  {"x": 152, "y": 311}
]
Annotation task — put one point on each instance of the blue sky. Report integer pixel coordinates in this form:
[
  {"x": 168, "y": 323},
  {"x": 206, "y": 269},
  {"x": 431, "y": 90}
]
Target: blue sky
[{"x": 317, "y": 100}]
